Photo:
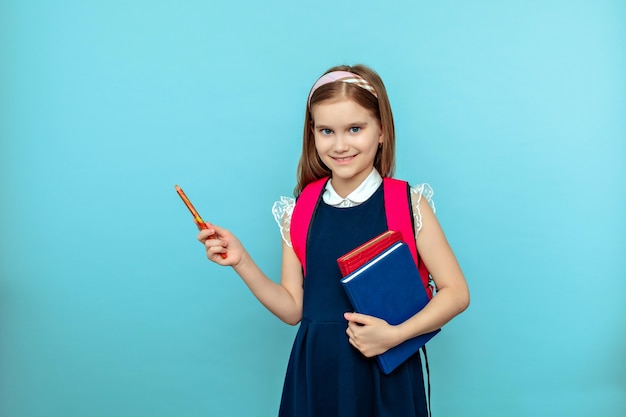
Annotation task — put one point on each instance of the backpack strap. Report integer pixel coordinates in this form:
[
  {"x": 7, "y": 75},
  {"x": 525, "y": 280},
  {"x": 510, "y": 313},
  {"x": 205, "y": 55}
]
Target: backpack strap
[
  {"x": 399, "y": 212},
  {"x": 423, "y": 349},
  {"x": 302, "y": 217}
]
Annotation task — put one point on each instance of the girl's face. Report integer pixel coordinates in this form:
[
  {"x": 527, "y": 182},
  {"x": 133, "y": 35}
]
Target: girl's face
[{"x": 347, "y": 137}]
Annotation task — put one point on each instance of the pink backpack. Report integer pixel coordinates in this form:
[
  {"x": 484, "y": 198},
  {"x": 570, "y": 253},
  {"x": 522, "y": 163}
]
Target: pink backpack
[{"x": 397, "y": 208}]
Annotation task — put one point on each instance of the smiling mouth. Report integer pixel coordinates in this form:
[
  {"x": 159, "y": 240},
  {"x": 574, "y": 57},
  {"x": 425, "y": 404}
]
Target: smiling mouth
[{"x": 343, "y": 158}]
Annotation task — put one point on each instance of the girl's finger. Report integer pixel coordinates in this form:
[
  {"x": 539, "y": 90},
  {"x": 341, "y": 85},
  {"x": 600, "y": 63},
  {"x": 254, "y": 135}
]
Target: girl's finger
[{"x": 358, "y": 318}]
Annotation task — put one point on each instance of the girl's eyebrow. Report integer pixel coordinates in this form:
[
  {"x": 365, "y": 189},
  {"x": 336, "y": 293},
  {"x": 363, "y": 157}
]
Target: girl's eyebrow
[
  {"x": 323, "y": 126},
  {"x": 320, "y": 126}
]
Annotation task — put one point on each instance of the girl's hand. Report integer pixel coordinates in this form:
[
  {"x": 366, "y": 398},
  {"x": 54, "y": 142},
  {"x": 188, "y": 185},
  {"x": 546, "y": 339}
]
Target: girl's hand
[
  {"x": 218, "y": 241},
  {"x": 370, "y": 335}
]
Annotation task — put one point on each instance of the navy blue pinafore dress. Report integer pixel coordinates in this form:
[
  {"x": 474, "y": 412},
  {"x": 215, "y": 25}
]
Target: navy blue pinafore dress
[{"x": 326, "y": 376}]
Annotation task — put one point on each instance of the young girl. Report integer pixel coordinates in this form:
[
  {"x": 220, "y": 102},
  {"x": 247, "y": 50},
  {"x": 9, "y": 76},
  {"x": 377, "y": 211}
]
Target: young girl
[{"x": 348, "y": 137}]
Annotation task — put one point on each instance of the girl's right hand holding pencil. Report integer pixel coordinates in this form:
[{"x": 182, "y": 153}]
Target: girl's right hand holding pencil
[{"x": 217, "y": 242}]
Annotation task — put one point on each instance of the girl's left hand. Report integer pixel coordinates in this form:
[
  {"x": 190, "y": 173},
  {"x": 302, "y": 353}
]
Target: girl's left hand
[{"x": 370, "y": 335}]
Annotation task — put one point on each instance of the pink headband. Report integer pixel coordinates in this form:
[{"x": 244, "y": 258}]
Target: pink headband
[{"x": 344, "y": 76}]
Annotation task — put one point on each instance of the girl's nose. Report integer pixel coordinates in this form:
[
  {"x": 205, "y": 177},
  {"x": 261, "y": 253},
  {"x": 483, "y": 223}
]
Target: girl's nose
[{"x": 341, "y": 144}]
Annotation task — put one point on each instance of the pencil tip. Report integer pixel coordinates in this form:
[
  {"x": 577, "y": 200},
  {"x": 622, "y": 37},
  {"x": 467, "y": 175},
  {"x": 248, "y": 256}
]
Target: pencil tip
[{"x": 177, "y": 187}]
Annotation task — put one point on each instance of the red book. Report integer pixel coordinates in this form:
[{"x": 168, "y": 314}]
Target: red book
[{"x": 359, "y": 256}]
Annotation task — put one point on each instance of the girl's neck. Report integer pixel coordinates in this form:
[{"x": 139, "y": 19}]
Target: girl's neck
[{"x": 344, "y": 187}]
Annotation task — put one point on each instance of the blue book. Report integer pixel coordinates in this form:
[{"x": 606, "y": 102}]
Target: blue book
[{"x": 389, "y": 287}]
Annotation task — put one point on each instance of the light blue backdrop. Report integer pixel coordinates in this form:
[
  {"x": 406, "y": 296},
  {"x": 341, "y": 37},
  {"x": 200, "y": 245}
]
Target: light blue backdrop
[{"x": 512, "y": 111}]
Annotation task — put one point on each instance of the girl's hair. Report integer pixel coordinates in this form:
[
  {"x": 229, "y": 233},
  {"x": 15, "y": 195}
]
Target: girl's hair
[{"x": 311, "y": 167}]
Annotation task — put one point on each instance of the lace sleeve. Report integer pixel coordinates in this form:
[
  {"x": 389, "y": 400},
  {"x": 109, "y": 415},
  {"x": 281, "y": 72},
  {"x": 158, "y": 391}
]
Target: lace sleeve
[
  {"x": 282, "y": 210},
  {"x": 417, "y": 193}
]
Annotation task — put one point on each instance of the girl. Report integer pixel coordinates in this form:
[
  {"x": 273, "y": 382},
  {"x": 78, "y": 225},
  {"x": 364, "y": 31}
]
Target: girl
[{"x": 349, "y": 137}]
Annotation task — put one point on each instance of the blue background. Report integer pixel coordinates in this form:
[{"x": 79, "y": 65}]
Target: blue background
[{"x": 512, "y": 111}]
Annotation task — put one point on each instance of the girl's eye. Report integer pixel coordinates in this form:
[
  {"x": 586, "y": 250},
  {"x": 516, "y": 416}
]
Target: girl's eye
[
  {"x": 326, "y": 131},
  {"x": 355, "y": 129}
]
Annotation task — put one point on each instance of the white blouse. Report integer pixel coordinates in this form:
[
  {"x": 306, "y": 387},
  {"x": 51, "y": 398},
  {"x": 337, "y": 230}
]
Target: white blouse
[{"x": 283, "y": 208}]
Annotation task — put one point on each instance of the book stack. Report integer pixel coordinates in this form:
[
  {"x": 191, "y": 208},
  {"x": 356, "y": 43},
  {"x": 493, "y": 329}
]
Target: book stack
[{"x": 382, "y": 280}]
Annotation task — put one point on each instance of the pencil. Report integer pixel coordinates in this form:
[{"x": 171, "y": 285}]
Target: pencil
[{"x": 196, "y": 216}]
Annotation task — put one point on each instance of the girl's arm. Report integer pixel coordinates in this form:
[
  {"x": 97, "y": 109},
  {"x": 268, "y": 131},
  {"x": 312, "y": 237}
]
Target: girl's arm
[
  {"x": 285, "y": 299},
  {"x": 452, "y": 295},
  {"x": 373, "y": 336}
]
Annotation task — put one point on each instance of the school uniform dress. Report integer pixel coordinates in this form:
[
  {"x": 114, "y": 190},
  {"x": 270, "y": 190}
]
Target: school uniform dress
[{"x": 326, "y": 376}]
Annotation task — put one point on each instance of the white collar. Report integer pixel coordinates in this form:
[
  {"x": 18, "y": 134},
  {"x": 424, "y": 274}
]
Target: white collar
[{"x": 364, "y": 191}]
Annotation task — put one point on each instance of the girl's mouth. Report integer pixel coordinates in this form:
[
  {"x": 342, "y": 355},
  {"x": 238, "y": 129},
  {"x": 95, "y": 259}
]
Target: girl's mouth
[{"x": 344, "y": 158}]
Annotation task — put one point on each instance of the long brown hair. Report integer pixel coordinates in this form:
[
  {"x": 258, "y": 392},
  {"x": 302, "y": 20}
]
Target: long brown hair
[{"x": 311, "y": 167}]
